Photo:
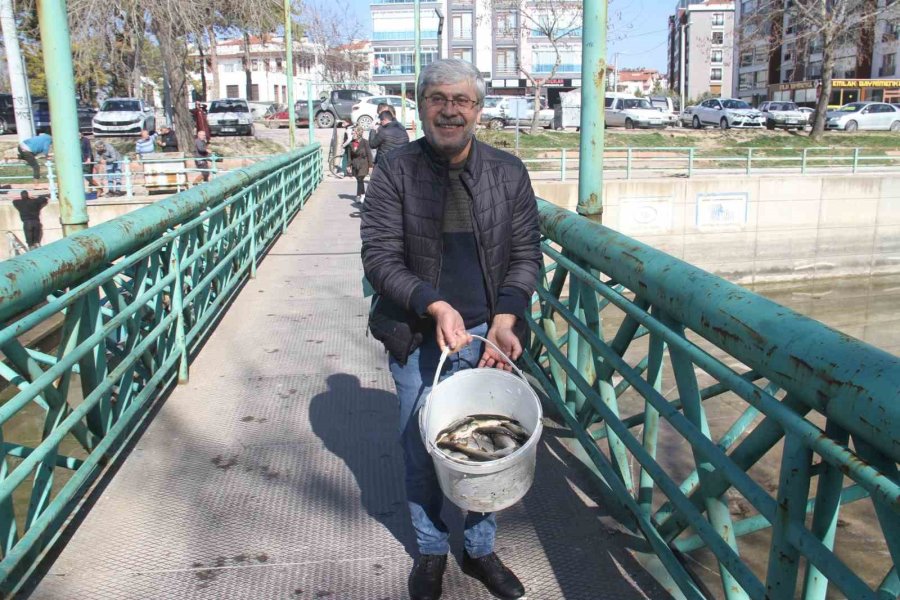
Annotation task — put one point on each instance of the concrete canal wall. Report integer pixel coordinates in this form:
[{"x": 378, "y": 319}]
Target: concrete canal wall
[{"x": 754, "y": 229}]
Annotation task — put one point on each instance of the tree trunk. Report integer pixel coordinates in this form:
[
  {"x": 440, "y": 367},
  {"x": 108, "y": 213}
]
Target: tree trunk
[
  {"x": 136, "y": 73},
  {"x": 247, "y": 73},
  {"x": 203, "y": 97},
  {"x": 173, "y": 53},
  {"x": 213, "y": 64},
  {"x": 538, "y": 86},
  {"x": 818, "y": 128}
]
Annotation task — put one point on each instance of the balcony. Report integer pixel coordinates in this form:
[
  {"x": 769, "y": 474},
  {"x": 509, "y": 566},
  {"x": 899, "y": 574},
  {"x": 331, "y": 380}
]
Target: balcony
[
  {"x": 402, "y": 35},
  {"x": 563, "y": 68},
  {"x": 887, "y": 71}
]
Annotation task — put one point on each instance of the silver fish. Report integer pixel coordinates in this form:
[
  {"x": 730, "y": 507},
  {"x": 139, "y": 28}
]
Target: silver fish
[{"x": 482, "y": 438}]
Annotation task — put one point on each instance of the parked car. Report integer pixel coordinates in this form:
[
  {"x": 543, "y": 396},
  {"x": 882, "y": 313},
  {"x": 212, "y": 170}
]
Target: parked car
[
  {"x": 492, "y": 112},
  {"x": 338, "y": 106},
  {"x": 124, "y": 116},
  {"x": 783, "y": 114},
  {"x": 726, "y": 113},
  {"x": 512, "y": 110},
  {"x": 686, "y": 118},
  {"x": 230, "y": 116},
  {"x": 365, "y": 112},
  {"x": 808, "y": 114},
  {"x": 864, "y": 116},
  {"x": 7, "y": 114},
  {"x": 666, "y": 106},
  {"x": 629, "y": 112}
]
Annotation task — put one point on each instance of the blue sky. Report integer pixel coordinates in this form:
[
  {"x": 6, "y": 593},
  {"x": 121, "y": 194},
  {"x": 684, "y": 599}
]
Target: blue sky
[{"x": 638, "y": 30}]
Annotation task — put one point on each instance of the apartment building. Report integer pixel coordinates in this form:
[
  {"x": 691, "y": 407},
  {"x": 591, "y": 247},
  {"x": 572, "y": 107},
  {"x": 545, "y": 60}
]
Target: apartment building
[
  {"x": 865, "y": 66},
  {"x": 496, "y": 38},
  {"x": 267, "y": 67},
  {"x": 701, "y": 48}
]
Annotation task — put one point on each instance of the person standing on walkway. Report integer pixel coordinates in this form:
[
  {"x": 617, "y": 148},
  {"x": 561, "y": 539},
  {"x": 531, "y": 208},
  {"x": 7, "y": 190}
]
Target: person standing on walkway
[
  {"x": 33, "y": 147},
  {"x": 360, "y": 162},
  {"x": 201, "y": 149},
  {"x": 391, "y": 134},
  {"x": 110, "y": 159},
  {"x": 87, "y": 160},
  {"x": 451, "y": 245},
  {"x": 30, "y": 213}
]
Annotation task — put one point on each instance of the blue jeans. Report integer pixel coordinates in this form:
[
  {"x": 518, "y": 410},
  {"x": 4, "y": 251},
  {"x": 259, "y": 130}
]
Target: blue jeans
[
  {"x": 113, "y": 176},
  {"x": 423, "y": 494}
]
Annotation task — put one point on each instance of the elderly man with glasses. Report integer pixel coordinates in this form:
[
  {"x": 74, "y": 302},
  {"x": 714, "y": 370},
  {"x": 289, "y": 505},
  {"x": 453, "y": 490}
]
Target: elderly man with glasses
[{"x": 450, "y": 243}]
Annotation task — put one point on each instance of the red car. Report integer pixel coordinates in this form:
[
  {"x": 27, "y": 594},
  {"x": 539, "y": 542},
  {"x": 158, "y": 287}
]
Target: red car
[{"x": 276, "y": 116}]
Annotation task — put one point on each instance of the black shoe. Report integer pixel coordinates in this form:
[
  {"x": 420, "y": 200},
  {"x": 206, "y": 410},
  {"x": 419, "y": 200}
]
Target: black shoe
[
  {"x": 490, "y": 571},
  {"x": 426, "y": 578}
]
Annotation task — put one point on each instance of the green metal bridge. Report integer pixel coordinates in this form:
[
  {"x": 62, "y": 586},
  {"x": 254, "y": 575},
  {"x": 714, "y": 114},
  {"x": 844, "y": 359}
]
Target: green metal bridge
[{"x": 215, "y": 423}]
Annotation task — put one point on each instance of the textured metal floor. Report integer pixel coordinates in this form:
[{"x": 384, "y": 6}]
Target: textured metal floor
[{"x": 275, "y": 473}]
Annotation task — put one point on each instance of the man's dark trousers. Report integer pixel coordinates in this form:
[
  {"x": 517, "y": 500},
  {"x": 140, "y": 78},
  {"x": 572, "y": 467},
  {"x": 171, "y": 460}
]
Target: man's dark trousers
[{"x": 29, "y": 158}]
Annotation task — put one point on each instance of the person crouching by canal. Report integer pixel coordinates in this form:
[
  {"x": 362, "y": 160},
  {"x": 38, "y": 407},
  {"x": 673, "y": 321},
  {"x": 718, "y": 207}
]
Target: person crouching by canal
[
  {"x": 30, "y": 212},
  {"x": 33, "y": 147},
  {"x": 360, "y": 162},
  {"x": 451, "y": 245}
]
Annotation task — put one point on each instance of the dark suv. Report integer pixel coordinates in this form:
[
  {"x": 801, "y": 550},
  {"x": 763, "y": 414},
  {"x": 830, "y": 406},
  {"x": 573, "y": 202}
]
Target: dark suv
[
  {"x": 40, "y": 109},
  {"x": 338, "y": 105}
]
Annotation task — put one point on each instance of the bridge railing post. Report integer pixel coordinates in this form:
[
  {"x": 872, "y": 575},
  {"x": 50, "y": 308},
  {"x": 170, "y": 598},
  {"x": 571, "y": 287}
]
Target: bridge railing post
[
  {"x": 178, "y": 309},
  {"x": 251, "y": 203}
]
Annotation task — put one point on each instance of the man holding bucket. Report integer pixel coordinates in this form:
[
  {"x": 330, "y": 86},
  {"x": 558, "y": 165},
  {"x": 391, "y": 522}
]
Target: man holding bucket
[{"x": 451, "y": 246}]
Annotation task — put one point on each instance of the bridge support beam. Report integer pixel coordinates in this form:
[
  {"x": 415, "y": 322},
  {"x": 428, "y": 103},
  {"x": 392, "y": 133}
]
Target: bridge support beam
[
  {"x": 593, "y": 92},
  {"x": 63, "y": 114}
]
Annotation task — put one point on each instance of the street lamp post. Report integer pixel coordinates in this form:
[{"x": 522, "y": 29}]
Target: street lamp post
[
  {"x": 289, "y": 70},
  {"x": 593, "y": 69}
]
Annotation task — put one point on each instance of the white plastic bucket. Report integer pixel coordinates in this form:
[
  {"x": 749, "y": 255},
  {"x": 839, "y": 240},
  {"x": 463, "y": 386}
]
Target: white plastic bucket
[{"x": 482, "y": 486}]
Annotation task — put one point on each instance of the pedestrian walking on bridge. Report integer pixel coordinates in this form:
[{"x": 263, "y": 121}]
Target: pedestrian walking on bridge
[
  {"x": 360, "y": 162},
  {"x": 451, "y": 245},
  {"x": 389, "y": 135},
  {"x": 30, "y": 212}
]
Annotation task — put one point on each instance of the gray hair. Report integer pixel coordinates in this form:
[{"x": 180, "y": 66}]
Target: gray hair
[{"x": 449, "y": 70}]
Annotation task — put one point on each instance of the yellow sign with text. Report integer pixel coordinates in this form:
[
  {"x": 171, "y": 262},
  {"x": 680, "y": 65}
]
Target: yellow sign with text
[{"x": 865, "y": 83}]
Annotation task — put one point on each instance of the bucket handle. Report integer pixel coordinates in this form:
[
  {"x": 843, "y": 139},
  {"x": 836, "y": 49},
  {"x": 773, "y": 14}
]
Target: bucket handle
[{"x": 447, "y": 351}]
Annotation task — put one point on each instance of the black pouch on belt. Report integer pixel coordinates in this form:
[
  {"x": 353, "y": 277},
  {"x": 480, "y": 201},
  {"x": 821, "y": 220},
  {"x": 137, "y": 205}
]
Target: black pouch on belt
[{"x": 398, "y": 329}]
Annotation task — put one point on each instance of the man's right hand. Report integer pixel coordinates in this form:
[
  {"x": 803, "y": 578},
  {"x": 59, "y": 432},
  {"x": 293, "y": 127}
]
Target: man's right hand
[{"x": 451, "y": 329}]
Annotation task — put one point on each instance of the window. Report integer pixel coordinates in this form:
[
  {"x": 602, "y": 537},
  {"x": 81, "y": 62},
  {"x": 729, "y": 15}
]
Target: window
[
  {"x": 746, "y": 59},
  {"x": 400, "y": 60},
  {"x": 718, "y": 38},
  {"x": 507, "y": 61},
  {"x": 715, "y": 74},
  {"x": 232, "y": 91},
  {"x": 254, "y": 93},
  {"x": 761, "y": 79},
  {"x": 891, "y": 32},
  {"x": 275, "y": 93},
  {"x": 814, "y": 70},
  {"x": 279, "y": 67},
  {"x": 716, "y": 56},
  {"x": 888, "y": 65},
  {"x": 745, "y": 81},
  {"x": 788, "y": 76},
  {"x": 760, "y": 56},
  {"x": 461, "y": 54},
  {"x": 748, "y": 6},
  {"x": 718, "y": 19},
  {"x": 788, "y": 52},
  {"x": 506, "y": 25},
  {"x": 462, "y": 26},
  {"x": 231, "y": 67},
  {"x": 254, "y": 64}
]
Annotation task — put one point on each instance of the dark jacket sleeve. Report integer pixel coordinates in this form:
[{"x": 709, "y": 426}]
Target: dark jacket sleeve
[
  {"x": 381, "y": 230},
  {"x": 525, "y": 253},
  {"x": 375, "y": 138},
  {"x": 368, "y": 154}
]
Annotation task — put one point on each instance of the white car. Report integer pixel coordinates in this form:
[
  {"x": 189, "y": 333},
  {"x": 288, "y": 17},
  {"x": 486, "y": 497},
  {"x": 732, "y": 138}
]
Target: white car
[
  {"x": 630, "y": 112},
  {"x": 123, "y": 116},
  {"x": 808, "y": 114},
  {"x": 500, "y": 111},
  {"x": 782, "y": 114},
  {"x": 726, "y": 113},
  {"x": 686, "y": 118},
  {"x": 871, "y": 116},
  {"x": 230, "y": 116},
  {"x": 365, "y": 112}
]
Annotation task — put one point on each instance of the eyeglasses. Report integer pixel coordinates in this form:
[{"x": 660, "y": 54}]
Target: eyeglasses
[{"x": 460, "y": 102}]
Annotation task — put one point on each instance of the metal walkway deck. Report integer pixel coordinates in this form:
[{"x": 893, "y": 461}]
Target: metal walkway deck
[{"x": 275, "y": 472}]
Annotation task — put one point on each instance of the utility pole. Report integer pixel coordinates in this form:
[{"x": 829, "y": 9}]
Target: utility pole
[
  {"x": 17, "y": 78},
  {"x": 681, "y": 73},
  {"x": 289, "y": 70},
  {"x": 417, "y": 26}
]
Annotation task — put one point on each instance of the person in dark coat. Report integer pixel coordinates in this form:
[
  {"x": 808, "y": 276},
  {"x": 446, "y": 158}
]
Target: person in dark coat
[
  {"x": 360, "y": 162},
  {"x": 87, "y": 160},
  {"x": 30, "y": 213},
  {"x": 167, "y": 140},
  {"x": 451, "y": 246},
  {"x": 391, "y": 134}
]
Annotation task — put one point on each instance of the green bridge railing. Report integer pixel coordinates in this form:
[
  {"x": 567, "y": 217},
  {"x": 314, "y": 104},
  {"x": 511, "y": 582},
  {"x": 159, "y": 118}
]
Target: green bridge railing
[
  {"x": 129, "y": 300},
  {"x": 707, "y": 412}
]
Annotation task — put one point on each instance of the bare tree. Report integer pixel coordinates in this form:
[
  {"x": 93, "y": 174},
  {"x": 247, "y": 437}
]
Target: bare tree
[
  {"x": 822, "y": 33},
  {"x": 331, "y": 29}
]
